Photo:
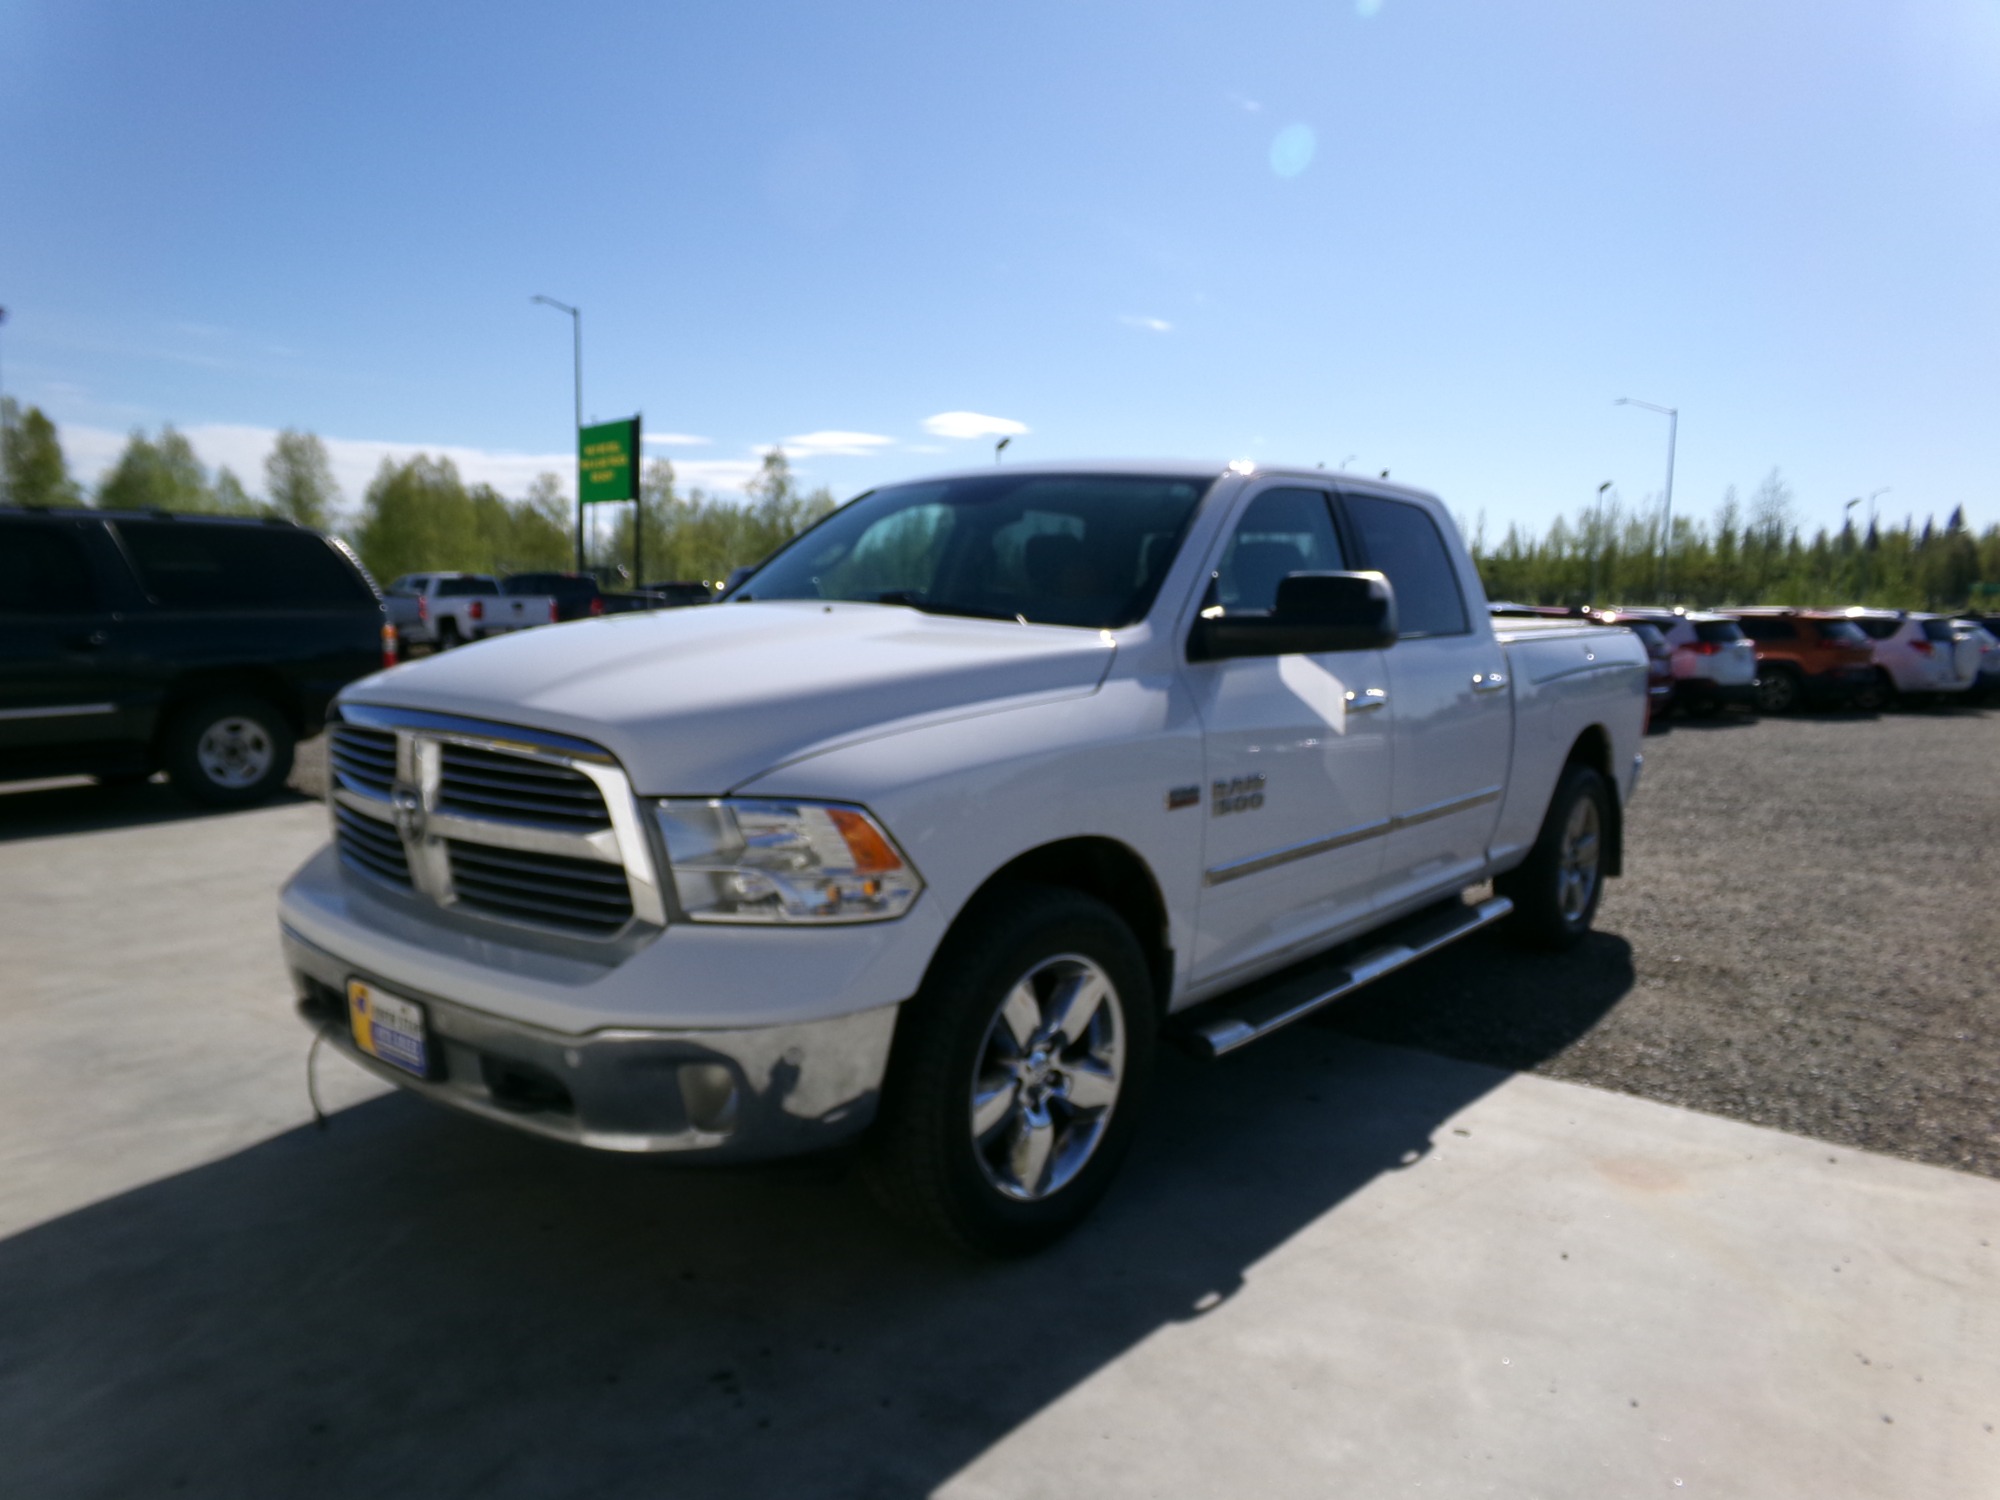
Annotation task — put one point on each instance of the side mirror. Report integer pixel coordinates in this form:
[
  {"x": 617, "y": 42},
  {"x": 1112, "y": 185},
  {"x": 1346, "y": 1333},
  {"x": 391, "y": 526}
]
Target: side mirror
[{"x": 1316, "y": 612}]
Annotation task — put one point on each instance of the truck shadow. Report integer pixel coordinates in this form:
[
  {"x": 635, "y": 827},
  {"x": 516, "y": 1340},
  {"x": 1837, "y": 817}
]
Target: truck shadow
[
  {"x": 30, "y": 810},
  {"x": 411, "y": 1303}
]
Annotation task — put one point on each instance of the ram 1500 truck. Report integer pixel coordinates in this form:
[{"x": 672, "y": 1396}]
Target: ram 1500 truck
[{"x": 947, "y": 815}]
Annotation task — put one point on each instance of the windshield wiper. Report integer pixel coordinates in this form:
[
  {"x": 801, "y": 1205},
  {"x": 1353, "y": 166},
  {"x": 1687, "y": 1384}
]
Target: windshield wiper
[{"x": 913, "y": 599}]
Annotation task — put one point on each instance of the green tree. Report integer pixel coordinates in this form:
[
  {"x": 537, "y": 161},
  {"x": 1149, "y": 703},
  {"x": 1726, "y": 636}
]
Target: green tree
[
  {"x": 156, "y": 474},
  {"x": 230, "y": 498},
  {"x": 299, "y": 479},
  {"x": 419, "y": 515},
  {"x": 32, "y": 467}
]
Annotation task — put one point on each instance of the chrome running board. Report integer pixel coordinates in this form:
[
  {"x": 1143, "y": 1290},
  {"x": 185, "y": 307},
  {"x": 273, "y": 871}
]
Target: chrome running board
[{"x": 1262, "y": 1008}]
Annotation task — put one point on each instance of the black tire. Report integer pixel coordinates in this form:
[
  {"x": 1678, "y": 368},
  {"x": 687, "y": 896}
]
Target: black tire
[
  {"x": 448, "y": 636},
  {"x": 1778, "y": 690},
  {"x": 1547, "y": 913},
  {"x": 229, "y": 751},
  {"x": 1877, "y": 696},
  {"x": 922, "y": 1159}
]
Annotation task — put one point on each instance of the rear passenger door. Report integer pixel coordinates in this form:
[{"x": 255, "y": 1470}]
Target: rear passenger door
[
  {"x": 64, "y": 677},
  {"x": 1449, "y": 706}
]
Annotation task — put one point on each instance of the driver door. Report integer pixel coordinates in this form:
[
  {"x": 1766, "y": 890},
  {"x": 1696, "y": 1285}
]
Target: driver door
[{"x": 1297, "y": 751}]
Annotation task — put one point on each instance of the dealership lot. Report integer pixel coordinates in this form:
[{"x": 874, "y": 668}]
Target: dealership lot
[{"x": 1335, "y": 1262}]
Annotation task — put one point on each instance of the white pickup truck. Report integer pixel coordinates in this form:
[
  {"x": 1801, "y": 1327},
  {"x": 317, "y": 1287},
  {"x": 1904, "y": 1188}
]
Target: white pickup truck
[
  {"x": 444, "y": 610},
  {"x": 948, "y": 814}
]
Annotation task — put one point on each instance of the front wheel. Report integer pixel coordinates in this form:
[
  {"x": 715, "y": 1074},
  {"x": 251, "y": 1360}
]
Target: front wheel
[
  {"x": 1777, "y": 691},
  {"x": 1555, "y": 891},
  {"x": 229, "y": 752},
  {"x": 1019, "y": 1074}
]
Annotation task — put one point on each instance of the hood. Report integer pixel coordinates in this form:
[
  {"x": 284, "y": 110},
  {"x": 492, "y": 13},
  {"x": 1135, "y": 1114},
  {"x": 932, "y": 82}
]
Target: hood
[{"x": 697, "y": 701}]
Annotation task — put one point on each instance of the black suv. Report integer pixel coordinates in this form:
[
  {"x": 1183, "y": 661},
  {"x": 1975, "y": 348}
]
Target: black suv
[{"x": 205, "y": 645}]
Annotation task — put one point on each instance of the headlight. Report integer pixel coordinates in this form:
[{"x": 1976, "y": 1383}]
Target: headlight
[{"x": 757, "y": 861}]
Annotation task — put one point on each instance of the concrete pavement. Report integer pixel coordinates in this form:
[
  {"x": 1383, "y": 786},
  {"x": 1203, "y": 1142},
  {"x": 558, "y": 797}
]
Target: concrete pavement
[{"x": 1332, "y": 1268}]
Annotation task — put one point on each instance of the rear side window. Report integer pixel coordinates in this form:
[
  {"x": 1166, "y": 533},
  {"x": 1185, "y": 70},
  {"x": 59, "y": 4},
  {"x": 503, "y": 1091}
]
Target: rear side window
[
  {"x": 1877, "y": 629},
  {"x": 466, "y": 588},
  {"x": 1841, "y": 633},
  {"x": 1402, "y": 541},
  {"x": 1718, "y": 631},
  {"x": 1283, "y": 531},
  {"x": 1765, "y": 628},
  {"x": 43, "y": 571},
  {"x": 1939, "y": 630},
  {"x": 193, "y": 565}
]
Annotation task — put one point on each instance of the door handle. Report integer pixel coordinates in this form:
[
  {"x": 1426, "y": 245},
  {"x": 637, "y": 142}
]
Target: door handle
[
  {"x": 1367, "y": 701},
  {"x": 1488, "y": 682}
]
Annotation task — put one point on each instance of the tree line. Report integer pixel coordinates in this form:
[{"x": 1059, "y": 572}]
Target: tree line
[
  {"x": 419, "y": 514},
  {"x": 1745, "y": 554}
]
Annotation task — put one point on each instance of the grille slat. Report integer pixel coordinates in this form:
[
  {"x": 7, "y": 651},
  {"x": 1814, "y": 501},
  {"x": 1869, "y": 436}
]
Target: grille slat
[
  {"x": 364, "y": 758},
  {"x": 370, "y": 846},
  {"x": 542, "y": 888},
  {"x": 489, "y": 783}
]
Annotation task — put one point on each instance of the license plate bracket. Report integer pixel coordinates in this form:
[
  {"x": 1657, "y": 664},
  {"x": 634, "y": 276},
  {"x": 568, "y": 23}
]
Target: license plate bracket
[{"x": 388, "y": 1027}]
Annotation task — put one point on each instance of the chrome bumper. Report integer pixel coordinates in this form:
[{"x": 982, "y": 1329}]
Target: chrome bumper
[{"x": 760, "y": 1092}]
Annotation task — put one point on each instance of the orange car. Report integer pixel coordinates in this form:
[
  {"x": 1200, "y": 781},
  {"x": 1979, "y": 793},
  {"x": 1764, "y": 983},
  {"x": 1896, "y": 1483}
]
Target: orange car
[{"x": 1807, "y": 656}]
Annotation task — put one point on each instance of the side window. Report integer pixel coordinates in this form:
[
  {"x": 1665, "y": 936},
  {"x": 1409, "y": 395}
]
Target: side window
[
  {"x": 1765, "y": 628},
  {"x": 195, "y": 565},
  {"x": 44, "y": 571},
  {"x": 1283, "y": 531},
  {"x": 1403, "y": 544}
]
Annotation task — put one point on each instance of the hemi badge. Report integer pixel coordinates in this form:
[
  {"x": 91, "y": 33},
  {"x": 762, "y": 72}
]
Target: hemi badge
[{"x": 1183, "y": 796}]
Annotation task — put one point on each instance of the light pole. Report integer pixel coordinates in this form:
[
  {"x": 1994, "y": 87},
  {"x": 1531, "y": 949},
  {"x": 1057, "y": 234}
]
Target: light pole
[
  {"x": 1673, "y": 416},
  {"x": 576, "y": 331},
  {"x": 1873, "y": 496},
  {"x": 6, "y": 477},
  {"x": 1597, "y": 539},
  {"x": 1000, "y": 447}
]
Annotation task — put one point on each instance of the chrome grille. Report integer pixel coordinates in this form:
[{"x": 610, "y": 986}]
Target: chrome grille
[
  {"x": 509, "y": 825},
  {"x": 370, "y": 846},
  {"x": 543, "y": 888},
  {"x": 364, "y": 759},
  {"x": 492, "y": 784}
]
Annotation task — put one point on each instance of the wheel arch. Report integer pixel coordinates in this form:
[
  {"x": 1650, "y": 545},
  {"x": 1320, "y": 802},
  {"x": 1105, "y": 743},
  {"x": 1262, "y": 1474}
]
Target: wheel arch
[
  {"x": 194, "y": 687},
  {"x": 1106, "y": 868},
  {"x": 1593, "y": 749}
]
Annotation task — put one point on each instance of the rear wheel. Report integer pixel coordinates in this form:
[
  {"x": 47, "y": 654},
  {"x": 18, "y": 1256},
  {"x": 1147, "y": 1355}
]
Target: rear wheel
[
  {"x": 229, "y": 751},
  {"x": 1777, "y": 690},
  {"x": 1875, "y": 695},
  {"x": 1555, "y": 891},
  {"x": 448, "y": 636},
  {"x": 1018, "y": 1076}
]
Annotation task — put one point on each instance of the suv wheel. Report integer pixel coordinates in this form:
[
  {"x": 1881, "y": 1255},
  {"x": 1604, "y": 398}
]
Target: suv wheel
[
  {"x": 229, "y": 752},
  {"x": 1875, "y": 695},
  {"x": 1555, "y": 891},
  {"x": 1777, "y": 690},
  {"x": 1018, "y": 1074}
]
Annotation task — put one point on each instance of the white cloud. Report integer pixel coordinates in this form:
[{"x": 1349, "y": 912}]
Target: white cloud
[
  {"x": 923, "y": 448},
  {"x": 675, "y": 439},
  {"x": 835, "y": 444},
  {"x": 972, "y": 424},
  {"x": 1151, "y": 325}
]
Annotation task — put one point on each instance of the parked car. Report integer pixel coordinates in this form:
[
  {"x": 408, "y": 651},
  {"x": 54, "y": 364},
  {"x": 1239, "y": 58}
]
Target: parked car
[
  {"x": 449, "y": 609},
  {"x": 1915, "y": 654},
  {"x": 1986, "y": 685},
  {"x": 934, "y": 842},
  {"x": 1714, "y": 663},
  {"x": 678, "y": 595},
  {"x": 1806, "y": 656},
  {"x": 577, "y": 596},
  {"x": 206, "y": 646}
]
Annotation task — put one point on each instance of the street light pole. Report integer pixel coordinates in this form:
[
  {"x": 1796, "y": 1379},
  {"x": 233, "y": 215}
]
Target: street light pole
[
  {"x": 6, "y": 476},
  {"x": 1872, "y": 498},
  {"x": 1597, "y": 540},
  {"x": 576, "y": 332},
  {"x": 1673, "y": 416}
]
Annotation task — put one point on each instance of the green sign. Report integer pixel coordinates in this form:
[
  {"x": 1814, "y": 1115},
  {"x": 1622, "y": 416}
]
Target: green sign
[{"x": 607, "y": 461}]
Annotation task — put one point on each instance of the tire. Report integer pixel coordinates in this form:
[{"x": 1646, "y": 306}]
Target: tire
[
  {"x": 1877, "y": 697},
  {"x": 983, "y": 1137},
  {"x": 1779, "y": 691},
  {"x": 229, "y": 751},
  {"x": 448, "y": 636},
  {"x": 1555, "y": 891}
]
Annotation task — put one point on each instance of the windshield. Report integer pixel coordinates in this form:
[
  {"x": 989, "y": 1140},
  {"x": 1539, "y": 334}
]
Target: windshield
[
  {"x": 1718, "y": 631},
  {"x": 1048, "y": 549}
]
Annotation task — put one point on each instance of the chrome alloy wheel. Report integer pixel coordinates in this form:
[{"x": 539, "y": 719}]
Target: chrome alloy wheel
[
  {"x": 235, "y": 752},
  {"x": 1047, "y": 1077},
  {"x": 1576, "y": 864}
]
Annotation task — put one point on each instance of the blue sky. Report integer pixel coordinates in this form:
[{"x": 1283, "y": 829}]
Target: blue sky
[{"x": 1438, "y": 235}]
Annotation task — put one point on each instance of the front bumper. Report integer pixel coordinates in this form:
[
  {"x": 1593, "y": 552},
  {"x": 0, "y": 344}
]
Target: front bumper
[{"x": 753, "y": 1092}]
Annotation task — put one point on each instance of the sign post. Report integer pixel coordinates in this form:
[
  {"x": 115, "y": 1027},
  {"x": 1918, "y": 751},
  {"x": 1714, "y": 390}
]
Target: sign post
[{"x": 607, "y": 469}]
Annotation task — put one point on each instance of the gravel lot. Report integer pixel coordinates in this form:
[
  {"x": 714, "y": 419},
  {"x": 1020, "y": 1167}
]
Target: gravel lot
[{"x": 1807, "y": 937}]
